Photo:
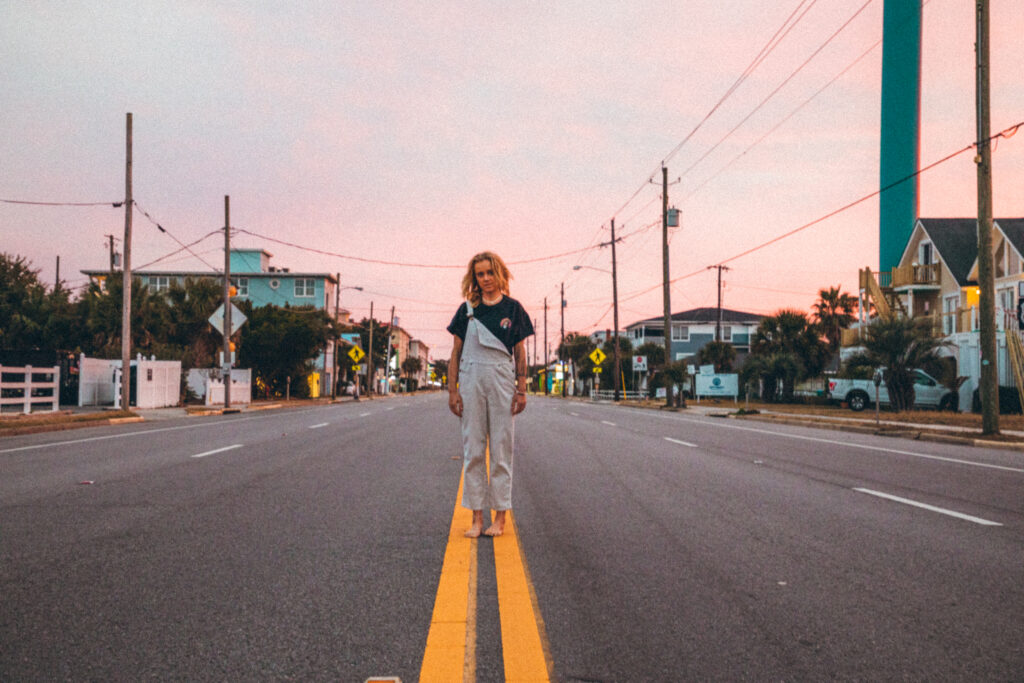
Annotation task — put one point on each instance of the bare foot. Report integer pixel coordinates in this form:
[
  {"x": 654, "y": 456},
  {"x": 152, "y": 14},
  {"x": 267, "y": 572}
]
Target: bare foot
[
  {"x": 478, "y": 524},
  {"x": 498, "y": 527}
]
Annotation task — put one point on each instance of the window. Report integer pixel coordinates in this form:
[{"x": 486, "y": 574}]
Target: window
[
  {"x": 242, "y": 284},
  {"x": 159, "y": 283},
  {"x": 1006, "y": 310},
  {"x": 727, "y": 333},
  {"x": 680, "y": 333},
  {"x": 949, "y": 306},
  {"x": 305, "y": 286},
  {"x": 926, "y": 257}
]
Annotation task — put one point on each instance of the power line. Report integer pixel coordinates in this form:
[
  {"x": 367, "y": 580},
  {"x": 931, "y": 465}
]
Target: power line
[
  {"x": 186, "y": 247},
  {"x": 779, "y": 87},
  {"x": 115, "y": 205}
]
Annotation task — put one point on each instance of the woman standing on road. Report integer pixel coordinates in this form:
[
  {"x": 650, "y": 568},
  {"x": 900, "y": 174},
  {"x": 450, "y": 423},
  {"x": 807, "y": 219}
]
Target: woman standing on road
[{"x": 487, "y": 385}]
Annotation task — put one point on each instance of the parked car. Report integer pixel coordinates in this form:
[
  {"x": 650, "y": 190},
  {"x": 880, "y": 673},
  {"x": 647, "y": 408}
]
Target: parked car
[{"x": 858, "y": 394}]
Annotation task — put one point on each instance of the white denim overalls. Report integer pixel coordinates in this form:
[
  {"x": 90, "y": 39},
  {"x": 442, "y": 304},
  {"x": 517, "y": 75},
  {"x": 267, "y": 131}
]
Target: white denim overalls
[{"x": 487, "y": 382}]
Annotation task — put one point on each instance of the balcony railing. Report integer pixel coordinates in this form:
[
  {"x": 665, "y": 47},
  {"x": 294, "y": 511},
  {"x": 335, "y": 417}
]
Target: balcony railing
[{"x": 904, "y": 276}]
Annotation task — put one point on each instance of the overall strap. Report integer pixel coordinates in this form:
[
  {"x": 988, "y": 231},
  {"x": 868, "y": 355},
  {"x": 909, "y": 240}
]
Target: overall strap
[{"x": 469, "y": 310}]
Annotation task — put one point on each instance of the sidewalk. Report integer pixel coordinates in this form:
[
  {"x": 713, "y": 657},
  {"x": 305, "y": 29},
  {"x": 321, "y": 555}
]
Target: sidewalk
[{"x": 863, "y": 423}]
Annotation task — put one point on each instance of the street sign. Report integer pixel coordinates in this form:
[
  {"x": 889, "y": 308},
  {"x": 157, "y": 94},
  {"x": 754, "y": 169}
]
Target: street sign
[
  {"x": 356, "y": 354},
  {"x": 597, "y": 371},
  {"x": 357, "y": 368},
  {"x": 598, "y": 356},
  {"x": 237, "y": 319},
  {"x": 639, "y": 363}
]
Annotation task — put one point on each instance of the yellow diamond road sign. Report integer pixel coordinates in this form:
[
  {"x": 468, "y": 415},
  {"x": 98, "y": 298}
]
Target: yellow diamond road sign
[
  {"x": 598, "y": 356},
  {"x": 356, "y": 354}
]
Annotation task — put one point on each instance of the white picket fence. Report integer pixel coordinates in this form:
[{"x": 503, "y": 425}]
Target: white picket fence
[{"x": 29, "y": 391}]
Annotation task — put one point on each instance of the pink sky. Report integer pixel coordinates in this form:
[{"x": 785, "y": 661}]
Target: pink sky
[{"x": 423, "y": 134}]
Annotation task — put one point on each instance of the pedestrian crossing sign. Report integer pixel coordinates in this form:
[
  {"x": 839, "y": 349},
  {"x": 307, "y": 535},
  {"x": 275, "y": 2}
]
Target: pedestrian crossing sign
[
  {"x": 598, "y": 356},
  {"x": 356, "y": 354}
]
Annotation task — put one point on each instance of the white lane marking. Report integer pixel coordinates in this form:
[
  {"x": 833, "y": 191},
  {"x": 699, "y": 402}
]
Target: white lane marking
[
  {"x": 681, "y": 443},
  {"x": 322, "y": 424},
  {"x": 925, "y": 506},
  {"x": 141, "y": 432},
  {"x": 575, "y": 414},
  {"x": 606, "y": 422},
  {"x": 217, "y": 450},
  {"x": 363, "y": 414},
  {"x": 866, "y": 447},
  {"x": 390, "y": 408}
]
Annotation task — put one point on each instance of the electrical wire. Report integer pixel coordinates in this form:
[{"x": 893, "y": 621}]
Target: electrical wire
[
  {"x": 115, "y": 205},
  {"x": 184, "y": 246},
  {"x": 779, "y": 87}
]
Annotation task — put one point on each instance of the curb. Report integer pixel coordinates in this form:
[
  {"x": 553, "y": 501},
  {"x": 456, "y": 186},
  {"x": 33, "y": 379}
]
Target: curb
[
  {"x": 61, "y": 427},
  {"x": 913, "y": 434}
]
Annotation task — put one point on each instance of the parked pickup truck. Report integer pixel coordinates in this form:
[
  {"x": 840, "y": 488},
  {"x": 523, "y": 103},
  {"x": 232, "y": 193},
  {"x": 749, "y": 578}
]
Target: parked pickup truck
[{"x": 860, "y": 393}]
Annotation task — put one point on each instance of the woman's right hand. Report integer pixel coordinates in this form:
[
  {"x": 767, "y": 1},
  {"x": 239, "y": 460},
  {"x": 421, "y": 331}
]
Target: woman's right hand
[{"x": 455, "y": 403}]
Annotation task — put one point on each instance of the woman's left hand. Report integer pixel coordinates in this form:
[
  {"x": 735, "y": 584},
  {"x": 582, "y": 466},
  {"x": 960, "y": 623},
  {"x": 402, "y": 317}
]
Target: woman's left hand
[{"x": 518, "y": 403}]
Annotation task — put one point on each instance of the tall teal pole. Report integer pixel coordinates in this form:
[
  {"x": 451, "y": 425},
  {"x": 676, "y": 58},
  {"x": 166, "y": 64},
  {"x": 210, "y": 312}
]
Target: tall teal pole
[{"x": 900, "y": 129}]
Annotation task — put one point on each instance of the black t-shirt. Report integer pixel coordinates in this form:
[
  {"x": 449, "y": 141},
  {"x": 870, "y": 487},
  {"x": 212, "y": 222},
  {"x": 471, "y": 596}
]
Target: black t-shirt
[{"x": 507, "y": 320}]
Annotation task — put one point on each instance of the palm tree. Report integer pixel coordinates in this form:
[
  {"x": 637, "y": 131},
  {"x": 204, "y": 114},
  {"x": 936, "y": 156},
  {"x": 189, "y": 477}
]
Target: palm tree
[
  {"x": 900, "y": 345},
  {"x": 720, "y": 354},
  {"x": 791, "y": 348},
  {"x": 834, "y": 312}
]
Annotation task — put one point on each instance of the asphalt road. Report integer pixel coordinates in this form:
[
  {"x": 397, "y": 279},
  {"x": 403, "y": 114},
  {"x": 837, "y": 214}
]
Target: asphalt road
[{"x": 307, "y": 544}]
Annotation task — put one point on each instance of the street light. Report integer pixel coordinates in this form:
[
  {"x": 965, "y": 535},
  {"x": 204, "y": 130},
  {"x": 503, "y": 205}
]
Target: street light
[{"x": 615, "y": 302}]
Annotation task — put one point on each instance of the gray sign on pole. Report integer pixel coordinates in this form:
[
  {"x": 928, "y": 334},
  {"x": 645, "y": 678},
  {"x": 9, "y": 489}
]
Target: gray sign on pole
[{"x": 237, "y": 318}]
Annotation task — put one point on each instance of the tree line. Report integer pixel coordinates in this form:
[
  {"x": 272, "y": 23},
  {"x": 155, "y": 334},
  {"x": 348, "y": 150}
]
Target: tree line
[{"x": 280, "y": 344}]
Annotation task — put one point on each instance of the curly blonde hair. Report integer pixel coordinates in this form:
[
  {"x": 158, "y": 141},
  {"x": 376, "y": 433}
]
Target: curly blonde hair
[{"x": 471, "y": 289}]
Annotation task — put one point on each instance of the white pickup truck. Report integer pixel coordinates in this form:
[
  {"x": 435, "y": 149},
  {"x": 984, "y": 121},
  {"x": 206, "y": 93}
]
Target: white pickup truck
[{"x": 860, "y": 393}]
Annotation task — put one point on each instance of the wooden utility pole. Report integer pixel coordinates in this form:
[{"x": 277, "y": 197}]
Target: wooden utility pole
[
  {"x": 989, "y": 388},
  {"x": 615, "y": 304},
  {"x": 561, "y": 344},
  {"x": 334, "y": 365},
  {"x": 665, "y": 286},
  {"x": 227, "y": 301},
  {"x": 369, "y": 359},
  {"x": 56, "y": 285},
  {"x": 547, "y": 365},
  {"x": 718, "y": 324},
  {"x": 126, "y": 275}
]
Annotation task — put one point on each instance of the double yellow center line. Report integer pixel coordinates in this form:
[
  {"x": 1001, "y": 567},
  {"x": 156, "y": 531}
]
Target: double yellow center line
[{"x": 450, "y": 655}]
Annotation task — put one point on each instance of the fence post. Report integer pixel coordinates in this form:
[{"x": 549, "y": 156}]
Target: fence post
[{"x": 27, "y": 391}]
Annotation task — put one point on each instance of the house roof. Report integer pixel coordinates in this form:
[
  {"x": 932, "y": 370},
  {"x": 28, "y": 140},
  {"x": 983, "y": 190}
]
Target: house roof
[
  {"x": 1013, "y": 228},
  {"x": 269, "y": 275},
  {"x": 707, "y": 314},
  {"x": 956, "y": 240}
]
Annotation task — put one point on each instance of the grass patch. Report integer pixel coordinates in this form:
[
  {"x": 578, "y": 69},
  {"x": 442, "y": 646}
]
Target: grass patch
[{"x": 12, "y": 423}]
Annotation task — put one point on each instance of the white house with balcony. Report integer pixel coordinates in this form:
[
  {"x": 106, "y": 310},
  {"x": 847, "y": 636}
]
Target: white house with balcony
[{"x": 937, "y": 277}]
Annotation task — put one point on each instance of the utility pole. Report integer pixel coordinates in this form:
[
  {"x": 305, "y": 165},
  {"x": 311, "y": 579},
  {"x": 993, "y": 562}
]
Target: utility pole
[
  {"x": 369, "y": 359},
  {"x": 615, "y": 305},
  {"x": 665, "y": 286},
  {"x": 56, "y": 285},
  {"x": 718, "y": 324},
  {"x": 334, "y": 366},
  {"x": 111, "y": 241},
  {"x": 387, "y": 361},
  {"x": 547, "y": 365},
  {"x": 561, "y": 344},
  {"x": 986, "y": 280},
  {"x": 534, "y": 342},
  {"x": 227, "y": 301},
  {"x": 126, "y": 275}
]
